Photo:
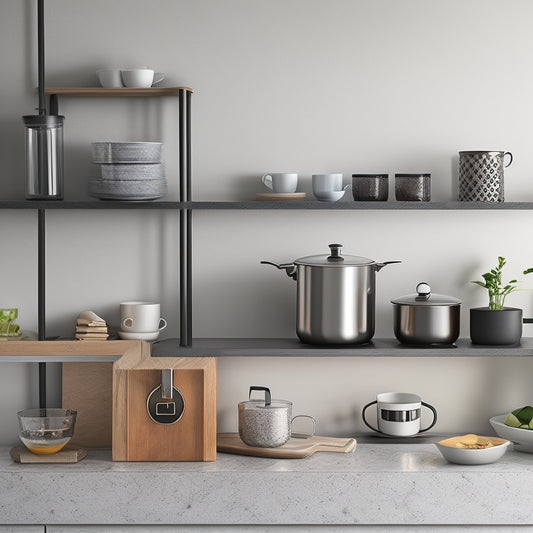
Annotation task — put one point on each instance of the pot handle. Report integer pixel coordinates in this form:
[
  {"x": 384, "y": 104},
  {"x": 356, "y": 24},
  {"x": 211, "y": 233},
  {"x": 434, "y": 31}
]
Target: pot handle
[
  {"x": 290, "y": 268},
  {"x": 364, "y": 418},
  {"x": 434, "y": 416},
  {"x": 379, "y": 266}
]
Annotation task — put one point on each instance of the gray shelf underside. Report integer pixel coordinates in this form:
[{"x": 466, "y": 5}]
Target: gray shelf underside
[
  {"x": 256, "y": 205},
  {"x": 294, "y": 348}
]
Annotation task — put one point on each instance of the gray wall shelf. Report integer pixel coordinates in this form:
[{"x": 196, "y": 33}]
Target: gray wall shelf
[
  {"x": 254, "y": 205},
  {"x": 243, "y": 347}
]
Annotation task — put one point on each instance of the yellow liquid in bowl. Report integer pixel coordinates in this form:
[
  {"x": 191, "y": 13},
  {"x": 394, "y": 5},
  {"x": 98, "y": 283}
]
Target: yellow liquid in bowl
[{"x": 45, "y": 447}]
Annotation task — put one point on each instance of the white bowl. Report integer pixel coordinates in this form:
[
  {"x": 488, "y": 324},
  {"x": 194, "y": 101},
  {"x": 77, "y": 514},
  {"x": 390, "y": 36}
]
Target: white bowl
[
  {"x": 522, "y": 438},
  {"x": 468, "y": 456},
  {"x": 329, "y": 196}
]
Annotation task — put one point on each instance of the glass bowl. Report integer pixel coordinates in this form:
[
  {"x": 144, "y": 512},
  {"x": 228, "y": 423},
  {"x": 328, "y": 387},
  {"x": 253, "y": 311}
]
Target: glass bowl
[{"x": 46, "y": 431}]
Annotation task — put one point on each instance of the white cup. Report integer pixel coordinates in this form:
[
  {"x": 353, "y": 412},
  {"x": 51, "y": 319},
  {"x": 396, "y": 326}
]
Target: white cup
[
  {"x": 141, "y": 317},
  {"x": 110, "y": 77},
  {"x": 326, "y": 183},
  {"x": 281, "y": 182},
  {"x": 140, "y": 77},
  {"x": 398, "y": 414}
]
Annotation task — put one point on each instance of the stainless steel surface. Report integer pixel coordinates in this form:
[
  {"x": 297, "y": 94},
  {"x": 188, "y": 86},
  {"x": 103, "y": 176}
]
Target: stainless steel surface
[
  {"x": 424, "y": 297},
  {"x": 335, "y": 297},
  {"x": 426, "y": 324},
  {"x": 336, "y": 305},
  {"x": 166, "y": 383},
  {"x": 44, "y": 156}
]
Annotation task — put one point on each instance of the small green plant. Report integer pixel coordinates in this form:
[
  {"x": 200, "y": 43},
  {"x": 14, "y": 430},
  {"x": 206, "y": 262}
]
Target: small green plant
[{"x": 497, "y": 289}]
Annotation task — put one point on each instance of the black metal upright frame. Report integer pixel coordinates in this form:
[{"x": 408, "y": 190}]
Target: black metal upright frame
[{"x": 185, "y": 235}]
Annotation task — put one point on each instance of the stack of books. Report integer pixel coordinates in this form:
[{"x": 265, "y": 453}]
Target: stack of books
[{"x": 91, "y": 327}]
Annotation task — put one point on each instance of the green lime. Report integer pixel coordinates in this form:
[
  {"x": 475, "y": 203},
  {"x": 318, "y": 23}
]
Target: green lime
[
  {"x": 512, "y": 421},
  {"x": 525, "y": 414}
]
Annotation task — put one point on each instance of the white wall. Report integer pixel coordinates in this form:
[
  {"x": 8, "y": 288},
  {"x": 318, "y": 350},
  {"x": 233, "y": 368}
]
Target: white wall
[{"x": 280, "y": 85}]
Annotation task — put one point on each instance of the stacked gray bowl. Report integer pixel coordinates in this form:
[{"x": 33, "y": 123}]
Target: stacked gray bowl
[{"x": 128, "y": 171}]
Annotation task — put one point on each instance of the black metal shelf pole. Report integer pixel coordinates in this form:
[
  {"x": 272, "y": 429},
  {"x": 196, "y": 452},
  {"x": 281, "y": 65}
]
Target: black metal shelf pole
[
  {"x": 41, "y": 298},
  {"x": 185, "y": 219}
]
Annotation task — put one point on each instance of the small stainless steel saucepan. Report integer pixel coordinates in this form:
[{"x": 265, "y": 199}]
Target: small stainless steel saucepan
[{"x": 426, "y": 318}]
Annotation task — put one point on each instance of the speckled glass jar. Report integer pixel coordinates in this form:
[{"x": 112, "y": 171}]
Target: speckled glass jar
[
  {"x": 412, "y": 187},
  {"x": 265, "y": 426},
  {"x": 370, "y": 187}
]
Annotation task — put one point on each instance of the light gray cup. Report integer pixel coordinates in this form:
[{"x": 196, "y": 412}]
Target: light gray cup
[
  {"x": 281, "y": 182},
  {"x": 141, "y": 317},
  {"x": 326, "y": 182},
  {"x": 110, "y": 77}
]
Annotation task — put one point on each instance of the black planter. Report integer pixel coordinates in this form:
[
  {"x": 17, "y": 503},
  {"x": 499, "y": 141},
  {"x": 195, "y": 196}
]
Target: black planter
[{"x": 497, "y": 328}]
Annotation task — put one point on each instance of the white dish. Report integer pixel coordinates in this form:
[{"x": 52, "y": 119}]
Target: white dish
[
  {"x": 522, "y": 438},
  {"x": 130, "y": 335},
  {"x": 329, "y": 196},
  {"x": 467, "y": 456}
]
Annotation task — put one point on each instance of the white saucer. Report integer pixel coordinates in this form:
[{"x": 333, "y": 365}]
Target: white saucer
[{"x": 132, "y": 335}]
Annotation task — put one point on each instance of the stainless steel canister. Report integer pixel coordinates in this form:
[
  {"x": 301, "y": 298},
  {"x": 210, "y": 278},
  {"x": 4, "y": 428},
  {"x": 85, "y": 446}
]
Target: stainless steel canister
[
  {"x": 481, "y": 176},
  {"x": 335, "y": 296}
]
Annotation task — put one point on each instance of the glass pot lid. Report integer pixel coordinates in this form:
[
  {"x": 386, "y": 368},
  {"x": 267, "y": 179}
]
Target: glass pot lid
[
  {"x": 334, "y": 259},
  {"x": 424, "y": 297}
]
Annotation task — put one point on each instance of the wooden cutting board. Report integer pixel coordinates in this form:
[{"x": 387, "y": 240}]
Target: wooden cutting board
[{"x": 293, "y": 449}]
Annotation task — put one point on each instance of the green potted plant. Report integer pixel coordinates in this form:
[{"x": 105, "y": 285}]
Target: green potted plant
[{"x": 497, "y": 324}]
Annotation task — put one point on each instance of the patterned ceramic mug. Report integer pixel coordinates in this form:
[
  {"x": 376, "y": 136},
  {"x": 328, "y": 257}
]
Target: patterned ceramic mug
[{"x": 481, "y": 176}]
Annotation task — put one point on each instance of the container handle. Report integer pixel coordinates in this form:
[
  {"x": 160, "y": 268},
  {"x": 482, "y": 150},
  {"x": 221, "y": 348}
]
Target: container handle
[
  {"x": 434, "y": 416},
  {"x": 510, "y": 158},
  {"x": 290, "y": 268},
  {"x": 379, "y": 266},
  {"x": 364, "y": 418},
  {"x": 266, "y": 390}
]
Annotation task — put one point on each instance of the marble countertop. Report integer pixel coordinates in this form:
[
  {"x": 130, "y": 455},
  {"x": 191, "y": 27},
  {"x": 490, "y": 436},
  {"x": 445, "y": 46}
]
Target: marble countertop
[{"x": 376, "y": 484}]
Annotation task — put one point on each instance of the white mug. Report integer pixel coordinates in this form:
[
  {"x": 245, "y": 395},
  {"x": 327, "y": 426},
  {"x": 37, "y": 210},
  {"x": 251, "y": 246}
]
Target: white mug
[
  {"x": 398, "y": 414},
  {"x": 110, "y": 77},
  {"x": 141, "y": 317},
  {"x": 325, "y": 183},
  {"x": 281, "y": 182},
  {"x": 140, "y": 77}
]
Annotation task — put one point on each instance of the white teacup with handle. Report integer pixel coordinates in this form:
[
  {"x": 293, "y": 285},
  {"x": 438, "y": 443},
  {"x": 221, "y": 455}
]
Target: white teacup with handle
[
  {"x": 141, "y": 317},
  {"x": 281, "y": 182}
]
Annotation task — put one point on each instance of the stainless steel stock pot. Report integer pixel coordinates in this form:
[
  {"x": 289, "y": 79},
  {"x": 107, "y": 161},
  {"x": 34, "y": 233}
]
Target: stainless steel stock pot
[{"x": 335, "y": 297}]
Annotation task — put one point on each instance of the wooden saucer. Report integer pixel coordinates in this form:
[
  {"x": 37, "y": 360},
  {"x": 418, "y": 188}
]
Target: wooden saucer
[
  {"x": 280, "y": 196},
  {"x": 69, "y": 454}
]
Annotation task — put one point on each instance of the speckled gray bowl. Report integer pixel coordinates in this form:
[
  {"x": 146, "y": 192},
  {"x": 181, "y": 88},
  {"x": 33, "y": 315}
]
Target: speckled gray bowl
[
  {"x": 132, "y": 171},
  {"x": 127, "y": 189},
  {"x": 126, "y": 152}
]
